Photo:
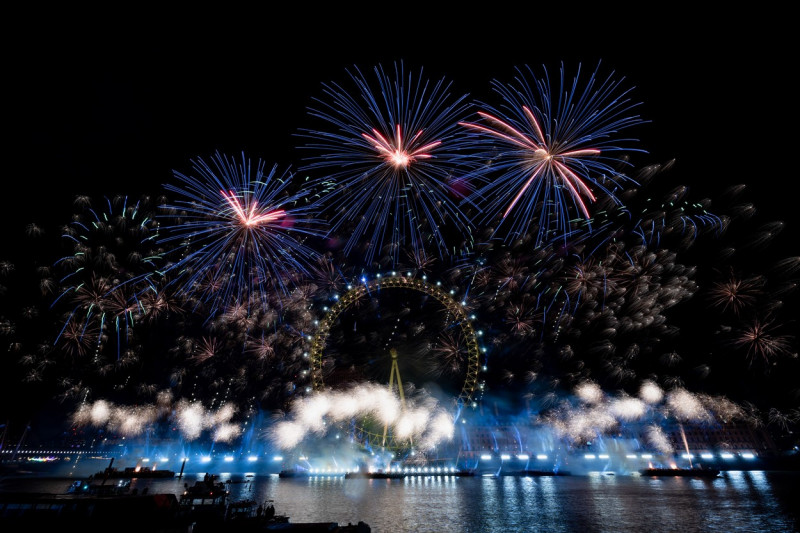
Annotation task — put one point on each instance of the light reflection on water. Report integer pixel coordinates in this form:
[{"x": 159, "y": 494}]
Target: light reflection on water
[{"x": 735, "y": 501}]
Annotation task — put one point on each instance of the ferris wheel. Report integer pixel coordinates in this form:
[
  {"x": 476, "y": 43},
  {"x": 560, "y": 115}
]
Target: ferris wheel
[{"x": 429, "y": 342}]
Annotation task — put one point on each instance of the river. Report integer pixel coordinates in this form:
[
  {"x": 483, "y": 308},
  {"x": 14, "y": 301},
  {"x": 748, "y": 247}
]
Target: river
[{"x": 735, "y": 501}]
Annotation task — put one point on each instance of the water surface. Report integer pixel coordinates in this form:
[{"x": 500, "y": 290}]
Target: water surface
[{"x": 736, "y": 501}]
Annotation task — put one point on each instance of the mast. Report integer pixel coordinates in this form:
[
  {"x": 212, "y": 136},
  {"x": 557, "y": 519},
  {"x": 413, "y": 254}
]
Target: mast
[{"x": 395, "y": 371}]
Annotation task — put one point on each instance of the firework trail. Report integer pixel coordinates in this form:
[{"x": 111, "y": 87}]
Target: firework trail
[
  {"x": 592, "y": 413},
  {"x": 237, "y": 231},
  {"x": 589, "y": 308},
  {"x": 553, "y": 149},
  {"x": 121, "y": 335},
  {"x": 108, "y": 249},
  {"x": 88, "y": 295},
  {"x": 397, "y": 163}
]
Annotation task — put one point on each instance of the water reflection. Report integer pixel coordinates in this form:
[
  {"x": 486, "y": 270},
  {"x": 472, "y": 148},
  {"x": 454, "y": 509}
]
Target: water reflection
[{"x": 735, "y": 501}]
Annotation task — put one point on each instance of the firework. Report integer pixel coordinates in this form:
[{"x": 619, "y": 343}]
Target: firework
[
  {"x": 396, "y": 162},
  {"x": 591, "y": 290},
  {"x": 735, "y": 293},
  {"x": 237, "y": 232},
  {"x": 763, "y": 339},
  {"x": 552, "y": 150},
  {"x": 191, "y": 418},
  {"x": 108, "y": 251}
]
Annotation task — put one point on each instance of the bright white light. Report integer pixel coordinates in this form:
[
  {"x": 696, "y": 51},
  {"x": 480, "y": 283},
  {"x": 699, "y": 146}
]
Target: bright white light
[
  {"x": 603, "y": 456},
  {"x": 206, "y": 459},
  {"x": 706, "y": 456},
  {"x": 748, "y": 456},
  {"x": 277, "y": 458},
  {"x": 687, "y": 456},
  {"x": 523, "y": 457},
  {"x": 252, "y": 458},
  {"x": 505, "y": 457},
  {"x": 541, "y": 456},
  {"x": 726, "y": 455},
  {"x": 228, "y": 458},
  {"x": 646, "y": 456},
  {"x": 486, "y": 457},
  {"x": 631, "y": 456},
  {"x": 589, "y": 456},
  {"x": 146, "y": 460}
]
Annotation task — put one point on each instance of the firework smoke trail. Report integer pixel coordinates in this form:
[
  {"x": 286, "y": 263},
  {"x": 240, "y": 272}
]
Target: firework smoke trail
[
  {"x": 252, "y": 357},
  {"x": 398, "y": 163},
  {"x": 423, "y": 420},
  {"x": 552, "y": 149},
  {"x": 191, "y": 418},
  {"x": 593, "y": 413},
  {"x": 239, "y": 232}
]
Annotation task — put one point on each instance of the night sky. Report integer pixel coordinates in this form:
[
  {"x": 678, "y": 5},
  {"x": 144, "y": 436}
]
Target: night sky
[
  {"x": 112, "y": 111},
  {"x": 109, "y": 112}
]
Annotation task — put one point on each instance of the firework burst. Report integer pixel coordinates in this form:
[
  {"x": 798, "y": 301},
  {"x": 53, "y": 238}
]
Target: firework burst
[
  {"x": 108, "y": 252},
  {"x": 552, "y": 149},
  {"x": 237, "y": 231},
  {"x": 397, "y": 162}
]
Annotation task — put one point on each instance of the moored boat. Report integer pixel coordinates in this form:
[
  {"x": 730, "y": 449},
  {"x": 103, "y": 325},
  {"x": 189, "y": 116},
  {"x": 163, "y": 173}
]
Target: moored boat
[
  {"x": 374, "y": 475},
  {"x": 535, "y": 473},
  {"x": 132, "y": 472},
  {"x": 209, "y": 491},
  {"x": 684, "y": 472},
  {"x": 95, "y": 488},
  {"x": 293, "y": 473}
]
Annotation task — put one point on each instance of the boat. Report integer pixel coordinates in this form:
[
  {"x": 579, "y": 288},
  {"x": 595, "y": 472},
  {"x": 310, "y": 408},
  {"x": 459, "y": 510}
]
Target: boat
[
  {"x": 32, "y": 511},
  {"x": 94, "y": 488},
  {"x": 135, "y": 472},
  {"x": 249, "y": 512},
  {"x": 209, "y": 491},
  {"x": 293, "y": 473},
  {"x": 374, "y": 475},
  {"x": 535, "y": 473},
  {"x": 132, "y": 472},
  {"x": 681, "y": 472},
  {"x": 202, "y": 508}
]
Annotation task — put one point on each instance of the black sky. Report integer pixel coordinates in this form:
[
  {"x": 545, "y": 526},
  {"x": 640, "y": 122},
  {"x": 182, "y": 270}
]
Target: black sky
[{"x": 100, "y": 110}]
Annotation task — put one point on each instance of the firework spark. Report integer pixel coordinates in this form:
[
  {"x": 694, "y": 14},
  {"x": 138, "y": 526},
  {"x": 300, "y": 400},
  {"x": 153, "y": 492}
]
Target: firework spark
[
  {"x": 397, "y": 160},
  {"x": 238, "y": 233},
  {"x": 551, "y": 147}
]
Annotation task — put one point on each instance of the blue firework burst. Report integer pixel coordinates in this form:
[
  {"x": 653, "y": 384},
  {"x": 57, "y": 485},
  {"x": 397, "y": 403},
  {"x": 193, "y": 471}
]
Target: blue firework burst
[
  {"x": 238, "y": 233},
  {"x": 396, "y": 162},
  {"x": 553, "y": 148}
]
